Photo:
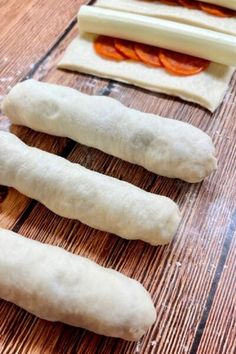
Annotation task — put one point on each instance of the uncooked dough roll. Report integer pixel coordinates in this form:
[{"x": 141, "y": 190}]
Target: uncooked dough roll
[
  {"x": 164, "y": 146},
  {"x": 59, "y": 286},
  {"x": 75, "y": 192}
]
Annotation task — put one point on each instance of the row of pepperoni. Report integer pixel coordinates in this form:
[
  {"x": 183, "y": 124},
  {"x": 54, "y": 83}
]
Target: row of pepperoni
[
  {"x": 175, "y": 63},
  {"x": 199, "y": 5}
]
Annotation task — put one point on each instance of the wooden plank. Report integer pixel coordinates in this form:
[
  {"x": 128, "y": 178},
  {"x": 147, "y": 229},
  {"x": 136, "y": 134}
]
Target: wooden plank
[
  {"x": 28, "y": 29},
  {"x": 220, "y": 328},
  {"x": 180, "y": 277}
]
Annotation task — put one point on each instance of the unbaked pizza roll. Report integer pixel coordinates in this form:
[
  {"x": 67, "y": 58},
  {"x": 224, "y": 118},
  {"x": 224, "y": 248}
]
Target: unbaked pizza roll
[
  {"x": 75, "y": 192},
  {"x": 199, "y": 15},
  {"x": 141, "y": 63},
  {"x": 56, "y": 285},
  {"x": 164, "y": 146}
]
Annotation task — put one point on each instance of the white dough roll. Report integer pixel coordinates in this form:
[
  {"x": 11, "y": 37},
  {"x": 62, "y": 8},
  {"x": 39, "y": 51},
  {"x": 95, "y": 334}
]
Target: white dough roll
[
  {"x": 164, "y": 146},
  {"x": 56, "y": 285},
  {"x": 75, "y": 192}
]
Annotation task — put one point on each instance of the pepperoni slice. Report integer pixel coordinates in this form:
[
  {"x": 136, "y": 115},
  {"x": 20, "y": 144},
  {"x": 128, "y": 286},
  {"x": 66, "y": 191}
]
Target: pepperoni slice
[
  {"x": 190, "y": 4},
  {"x": 211, "y": 9},
  {"x": 148, "y": 54},
  {"x": 216, "y": 10},
  {"x": 126, "y": 48},
  {"x": 170, "y": 2},
  {"x": 105, "y": 47},
  {"x": 182, "y": 64}
]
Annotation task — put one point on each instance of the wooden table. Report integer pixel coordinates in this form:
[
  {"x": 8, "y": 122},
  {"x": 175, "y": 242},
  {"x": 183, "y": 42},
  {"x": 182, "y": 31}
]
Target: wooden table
[{"x": 192, "y": 281}]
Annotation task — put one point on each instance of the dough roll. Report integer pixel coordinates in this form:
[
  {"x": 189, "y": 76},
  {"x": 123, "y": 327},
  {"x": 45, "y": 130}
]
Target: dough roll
[
  {"x": 56, "y": 285},
  {"x": 75, "y": 192},
  {"x": 164, "y": 146}
]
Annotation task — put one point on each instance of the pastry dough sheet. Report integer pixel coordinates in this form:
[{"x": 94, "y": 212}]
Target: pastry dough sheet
[
  {"x": 175, "y": 13},
  {"x": 207, "y": 88}
]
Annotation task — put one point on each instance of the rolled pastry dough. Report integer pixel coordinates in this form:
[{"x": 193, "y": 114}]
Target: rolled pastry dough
[
  {"x": 56, "y": 285},
  {"x": 75, "y": 192},
  {"x": 164, "y": 146},
  {"x": 175, "y": 13},
  {"x": 207, "y": 88}
]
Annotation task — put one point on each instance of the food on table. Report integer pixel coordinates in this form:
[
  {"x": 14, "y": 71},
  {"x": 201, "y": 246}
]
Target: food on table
[
  {"x": 56, "y": 285},
  {"x": 202, "y": 43},
  {"x": 155, "y": 54},
  {"x": 175, "y": 63},
  {"x": 75, "y": 192},
  {"x": 165, "y": 146}
]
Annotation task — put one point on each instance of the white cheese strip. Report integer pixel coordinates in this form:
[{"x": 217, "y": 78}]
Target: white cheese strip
[
  {"x": 199, "y": 42},
  {"x": 75, "y": 192},
  {"x": 207, "y": 88},
  {"x": 165, "y": 146},
  {"x": 230, "y": 4},
  {"x": 175, "y": 13},
  {"x": 56, "y": 285}
]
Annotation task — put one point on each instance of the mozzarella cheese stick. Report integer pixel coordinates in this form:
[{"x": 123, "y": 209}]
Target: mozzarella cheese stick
[
  {"x": 164, "y": 146},
  {"x": 75, "y": 192},
  {"x": 56, "y": 285},
  {"x": 191, "y": 40},
  {"x": 158, "y": 9},
  {"x": 230, "y": 4}
]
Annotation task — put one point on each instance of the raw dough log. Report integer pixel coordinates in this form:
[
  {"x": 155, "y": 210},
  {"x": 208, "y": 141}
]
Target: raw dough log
[
  {"x": 81, "y": 56},
  {"x": 75, "y": 192},
  {"x": 214, "y": 46},
  {"x": 164, "y": 146},
  {"x": 174, "y": 13},
  {"x": 56, "y": 285}
]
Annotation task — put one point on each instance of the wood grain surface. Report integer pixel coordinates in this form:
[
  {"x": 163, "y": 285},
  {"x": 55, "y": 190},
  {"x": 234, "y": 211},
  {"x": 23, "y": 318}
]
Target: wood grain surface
[{"x": 192, "y": 281}]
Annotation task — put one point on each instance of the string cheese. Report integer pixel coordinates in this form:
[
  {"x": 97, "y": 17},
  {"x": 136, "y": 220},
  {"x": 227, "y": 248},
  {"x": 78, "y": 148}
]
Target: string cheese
[
  {"x": 75, "y": 192},
  {"x": 199, "y": 42},
  {"x": 56, "y": 285},
  {"x": 179, "y": 13}
]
